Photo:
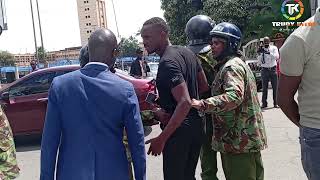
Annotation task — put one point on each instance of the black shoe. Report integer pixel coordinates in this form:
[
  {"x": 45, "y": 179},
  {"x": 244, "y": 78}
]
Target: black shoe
[{"x": 264, "y": 106}]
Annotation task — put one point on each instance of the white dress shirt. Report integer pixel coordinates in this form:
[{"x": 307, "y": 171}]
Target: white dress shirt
[{"x": 270, "y": 60}]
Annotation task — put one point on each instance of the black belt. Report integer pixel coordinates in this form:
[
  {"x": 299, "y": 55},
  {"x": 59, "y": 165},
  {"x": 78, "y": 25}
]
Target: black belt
[{"x": 269, "y": 68}]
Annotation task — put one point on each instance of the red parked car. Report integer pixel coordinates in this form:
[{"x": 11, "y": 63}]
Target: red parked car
[{"x": 25, "y": 100}]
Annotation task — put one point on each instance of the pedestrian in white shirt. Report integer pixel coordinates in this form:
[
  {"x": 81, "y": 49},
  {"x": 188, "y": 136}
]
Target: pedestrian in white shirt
[{"x": 267, "y": 59}]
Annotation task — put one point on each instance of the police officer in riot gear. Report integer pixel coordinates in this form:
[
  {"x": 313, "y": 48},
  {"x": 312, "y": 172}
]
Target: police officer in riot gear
[
  {"x": 198, "y": 33},
  {"x": 231, "y": 35},
  {"x": 239, "y": 131}
]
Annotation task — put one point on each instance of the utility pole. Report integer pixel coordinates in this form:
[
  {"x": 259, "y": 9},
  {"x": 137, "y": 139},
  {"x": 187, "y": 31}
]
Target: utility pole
[
  {"x": 115, "y": 18},
  {"x": 40, "y": 29},
  {"x": 34, "y": 33}
]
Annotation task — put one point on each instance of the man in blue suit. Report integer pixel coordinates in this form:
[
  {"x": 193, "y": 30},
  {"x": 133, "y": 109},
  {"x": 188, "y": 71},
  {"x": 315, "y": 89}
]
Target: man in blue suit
[{"x": 87, "y": 112}]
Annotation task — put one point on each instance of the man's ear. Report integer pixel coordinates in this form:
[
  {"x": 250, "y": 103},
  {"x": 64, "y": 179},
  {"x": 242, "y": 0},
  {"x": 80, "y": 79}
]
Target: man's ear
[{"x": 164, "y": 35}]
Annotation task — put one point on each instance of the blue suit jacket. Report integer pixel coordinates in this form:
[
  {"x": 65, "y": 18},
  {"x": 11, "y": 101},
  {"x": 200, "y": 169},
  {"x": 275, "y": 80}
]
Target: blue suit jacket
[{"x": 87, "y": 112}]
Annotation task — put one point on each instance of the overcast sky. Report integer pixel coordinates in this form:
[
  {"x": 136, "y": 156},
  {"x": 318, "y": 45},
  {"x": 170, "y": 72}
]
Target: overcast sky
[{"x": 60, "y": 27}]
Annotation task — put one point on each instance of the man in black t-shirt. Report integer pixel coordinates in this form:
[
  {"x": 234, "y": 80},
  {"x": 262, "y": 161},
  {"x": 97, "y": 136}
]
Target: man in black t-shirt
[
  {"x": 139, "y": 67},
  {"x": 180, "y": 77}
]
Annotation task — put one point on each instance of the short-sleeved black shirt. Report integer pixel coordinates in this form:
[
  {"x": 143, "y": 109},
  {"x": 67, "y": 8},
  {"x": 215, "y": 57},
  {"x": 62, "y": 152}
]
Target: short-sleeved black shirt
[{"x": 178, "y": 64}]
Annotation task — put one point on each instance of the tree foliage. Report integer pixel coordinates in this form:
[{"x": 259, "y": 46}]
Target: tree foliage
[
  {"x": 177, "y": 13},
  {"x": 42, "y": 54},
  {"x": 253, "y": 17},
  {"x": 6, "y": 59},
  {"x": 128, "y": 46}
]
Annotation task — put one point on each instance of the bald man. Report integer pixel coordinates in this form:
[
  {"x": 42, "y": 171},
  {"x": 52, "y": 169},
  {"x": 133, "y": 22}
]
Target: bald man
[{"x": 85, "y": 121}]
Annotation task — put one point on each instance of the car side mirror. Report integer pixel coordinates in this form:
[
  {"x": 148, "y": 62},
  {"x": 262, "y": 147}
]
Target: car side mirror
[{"x": 5, "y": 96}]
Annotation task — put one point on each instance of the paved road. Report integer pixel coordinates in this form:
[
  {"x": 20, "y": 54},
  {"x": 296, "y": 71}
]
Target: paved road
[{"x": 281, "y": 159}]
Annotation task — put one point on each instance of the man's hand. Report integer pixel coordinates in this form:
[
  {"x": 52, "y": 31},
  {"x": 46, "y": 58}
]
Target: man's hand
[
  {"x": 161, "y": 115},
  {"x": 198, "y": 104},
  {"x": 156, "y": 145}
]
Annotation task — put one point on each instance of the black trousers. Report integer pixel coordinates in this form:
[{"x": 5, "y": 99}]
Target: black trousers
[
  {"x": 269, "y": 74},
  {"x": 182, "y": 150}
]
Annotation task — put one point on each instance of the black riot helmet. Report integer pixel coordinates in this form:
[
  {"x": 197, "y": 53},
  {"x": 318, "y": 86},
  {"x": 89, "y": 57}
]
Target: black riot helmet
[
  {"x": 84, "y": 56},
  {"x": 198, "y": 33}
]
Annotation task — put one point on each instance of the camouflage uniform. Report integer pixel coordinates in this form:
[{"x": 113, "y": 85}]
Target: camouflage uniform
[
  {"x": 146, "y": 117},
  {"x": 239, "y": 132},
  {"x": 207, "y": 63},
  {"x": 208, "y": 157},
  {"x": 8, "y": 163}
]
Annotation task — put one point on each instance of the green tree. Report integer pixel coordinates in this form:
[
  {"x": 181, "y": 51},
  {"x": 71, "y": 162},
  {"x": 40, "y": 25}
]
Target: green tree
[
  {"x": 253, "y": 17},
  {"x": 6, "y": 59},
  {"x": 177, "y": 13},
  {"x": 128, "y": 46},
  {"x": 42, "y": 55}
]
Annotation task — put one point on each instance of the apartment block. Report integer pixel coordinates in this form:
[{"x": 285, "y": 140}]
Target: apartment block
[
  {"x": 92, "y": 16},
  {"x": 71, "y": 53}
]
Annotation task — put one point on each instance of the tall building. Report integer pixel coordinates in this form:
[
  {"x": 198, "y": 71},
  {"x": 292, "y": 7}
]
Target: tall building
[{"x": 92, "y": 15}]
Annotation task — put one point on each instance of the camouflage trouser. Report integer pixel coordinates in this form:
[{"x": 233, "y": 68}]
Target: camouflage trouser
[
  {"x": 8, "y": 164},
  {"x": 146, "y": 116},
  {"x": 125, "y": 142},
  {"x": 208, "y": 157},
  {"x": 244, "y": 166}
]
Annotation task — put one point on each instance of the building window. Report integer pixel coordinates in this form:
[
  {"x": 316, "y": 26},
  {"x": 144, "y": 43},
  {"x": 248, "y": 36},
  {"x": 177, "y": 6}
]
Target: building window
[
  {"x": 88, "y": 32},
  {"x": 86, "y": 9}
]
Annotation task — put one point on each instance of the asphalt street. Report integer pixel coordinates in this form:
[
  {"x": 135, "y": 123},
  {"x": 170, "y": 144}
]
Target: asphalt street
[{"x": 281, "y": 159}]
